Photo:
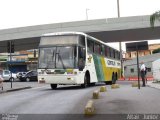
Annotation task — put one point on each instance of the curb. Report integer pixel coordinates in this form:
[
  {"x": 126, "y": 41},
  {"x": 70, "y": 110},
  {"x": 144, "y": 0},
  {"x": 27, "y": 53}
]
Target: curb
[
  {"x": 16, "y": 89},
  {"x": 115, "y": 86},
  {"x": 153, "y": 87},
  {"x": 103, "y": 89},
  {"x": 89, "y": 108}
]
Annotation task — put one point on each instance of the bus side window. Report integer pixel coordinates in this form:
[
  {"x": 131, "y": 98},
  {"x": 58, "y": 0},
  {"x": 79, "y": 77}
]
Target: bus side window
[
  {"x": 114, "y": 54},
  {"x": 102, "y": 50},
  {"x": 81, "y": 58},
  {"x": 82, "y": 40},
  {"x": 90, "y": 45},
  {"x": 106, "y": 51},
  {"x": 110, "y": 53},
  {"x": 97, "y": 48},
  {"x": 118, "y": 55}
]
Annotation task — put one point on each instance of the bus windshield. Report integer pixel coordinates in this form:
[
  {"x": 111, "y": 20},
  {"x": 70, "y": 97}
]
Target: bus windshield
[{"x": 57, "y": 57}]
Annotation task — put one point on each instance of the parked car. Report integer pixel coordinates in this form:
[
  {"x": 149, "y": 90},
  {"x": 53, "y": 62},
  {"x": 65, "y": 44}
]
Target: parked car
[
  {"x": 20, "y": 74},
  {"x": 29, "y": 76},
  {"x": 6, "y": 75}
]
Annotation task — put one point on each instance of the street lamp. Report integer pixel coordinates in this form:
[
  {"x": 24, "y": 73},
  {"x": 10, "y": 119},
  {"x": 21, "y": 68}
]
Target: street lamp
[
  {"x": 87, "y": 13},
  {"x": 118, "y": 10}
]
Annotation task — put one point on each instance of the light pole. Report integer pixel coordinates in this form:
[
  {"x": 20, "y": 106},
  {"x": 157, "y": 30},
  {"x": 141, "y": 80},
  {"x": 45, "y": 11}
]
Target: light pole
[
  {"x": 87, "y": 13},
  {"x": 118, "y": 10},
  {"x": 120, "y": 45}
]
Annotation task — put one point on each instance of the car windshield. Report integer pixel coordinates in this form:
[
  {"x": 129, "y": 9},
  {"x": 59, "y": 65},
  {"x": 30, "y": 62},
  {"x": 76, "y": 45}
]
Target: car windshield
[
  {"x": 6, "y": 72},
  {"x": 58, "y": 57}
]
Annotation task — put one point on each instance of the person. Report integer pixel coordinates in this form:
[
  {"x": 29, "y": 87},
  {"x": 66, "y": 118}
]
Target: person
[
  {"x": 143, "y": 71},
  {"x": 146, "y": 74}
]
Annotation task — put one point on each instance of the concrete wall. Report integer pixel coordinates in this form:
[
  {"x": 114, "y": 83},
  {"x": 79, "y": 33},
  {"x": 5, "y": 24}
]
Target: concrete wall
[{"x": 132, "y": 64}]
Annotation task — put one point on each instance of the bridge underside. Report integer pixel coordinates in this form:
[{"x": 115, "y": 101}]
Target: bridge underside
[
  {"x": 21, "y": 44},
  {"x": 128, "y": 35},
  {"x": 106, "y": 36}
]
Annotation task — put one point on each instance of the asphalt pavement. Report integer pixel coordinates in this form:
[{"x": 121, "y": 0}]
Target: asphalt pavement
[
  {"x": 16, "y": 85},
  {"x": 68, "y": 102}
]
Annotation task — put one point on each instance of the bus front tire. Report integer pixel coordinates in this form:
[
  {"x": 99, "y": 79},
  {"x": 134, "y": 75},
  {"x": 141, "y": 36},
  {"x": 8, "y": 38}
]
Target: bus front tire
[
  {"x": 114, "y": 78},
  {"x": 53, "y": 86},
  {"x": 84, "y": 85}
]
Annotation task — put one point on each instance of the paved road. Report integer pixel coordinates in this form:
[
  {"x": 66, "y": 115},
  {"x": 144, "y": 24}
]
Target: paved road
[
  {"x": 129, "y": 100},
  {"x": 43, "y": 100},
  {"x": 72, "y": 99}
]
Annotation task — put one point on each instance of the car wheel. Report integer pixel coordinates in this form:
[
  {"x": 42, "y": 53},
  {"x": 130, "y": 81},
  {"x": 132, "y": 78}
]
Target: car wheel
[
  {"x": 11, "y": 79},
  {"x": 27, "y": 79}
]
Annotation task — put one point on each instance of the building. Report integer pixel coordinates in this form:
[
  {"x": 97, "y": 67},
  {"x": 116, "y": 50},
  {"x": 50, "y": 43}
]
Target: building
[
  {"x": 19, "y": 61},
  {"x": 133, "y": 54},
  {"x": 130, "y": 66}
]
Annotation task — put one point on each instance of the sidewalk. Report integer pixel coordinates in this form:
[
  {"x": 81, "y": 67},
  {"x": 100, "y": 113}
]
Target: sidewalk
[
  {"x": 153, "y": 84},
  {"x": 15, "y": 86}
]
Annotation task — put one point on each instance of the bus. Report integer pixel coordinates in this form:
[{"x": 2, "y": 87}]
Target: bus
[{"x": 75, "y": 58}]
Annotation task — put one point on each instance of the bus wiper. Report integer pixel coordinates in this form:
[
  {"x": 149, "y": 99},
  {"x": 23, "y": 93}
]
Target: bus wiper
[
  {"x": 59, "y": 57},
  {"x": 53, "y": 55}
]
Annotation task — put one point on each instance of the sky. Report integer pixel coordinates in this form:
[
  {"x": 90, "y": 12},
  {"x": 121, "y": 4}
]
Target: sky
[{"x": 20, "y": 13}]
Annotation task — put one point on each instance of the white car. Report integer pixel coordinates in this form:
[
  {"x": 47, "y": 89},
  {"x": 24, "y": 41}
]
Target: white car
[
  {"x": 20, "y": 74},
  {"x": 6, "y": 75}
]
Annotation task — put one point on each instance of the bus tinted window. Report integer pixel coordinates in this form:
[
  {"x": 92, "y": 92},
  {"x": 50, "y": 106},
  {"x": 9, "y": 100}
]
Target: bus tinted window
[
  {"x": 107, "y": 51},
  {"x": 90, "y": 45},
  {"x": 102, "y": 50},
  {"x": 114, "y": 55},
  {"x": 82, "y": 40},
  {"x": 97, "y": 48},
  {"x": 110, "y": 53},
  {"x": 119, "y": 55}
]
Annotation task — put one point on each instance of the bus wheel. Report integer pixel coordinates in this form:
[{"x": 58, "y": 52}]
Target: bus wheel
[
  {"x": 116, "y": 77},
  {"x": 113, "y": 79},
  {"x": 84, "y": 85},
  {"x": 92, "y": 84},
  {"x": 53, "y": 86},
  {"x": 108, "y": 82}
]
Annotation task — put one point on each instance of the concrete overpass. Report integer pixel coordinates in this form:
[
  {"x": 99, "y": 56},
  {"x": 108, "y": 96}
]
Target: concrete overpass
[{"x": 108, "y": 30}]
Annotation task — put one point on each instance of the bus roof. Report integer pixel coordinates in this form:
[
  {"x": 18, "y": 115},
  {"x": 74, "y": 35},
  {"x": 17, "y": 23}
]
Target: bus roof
[
  {"x": 62, "y": 33},
  {"x": 78, "y": 33}
]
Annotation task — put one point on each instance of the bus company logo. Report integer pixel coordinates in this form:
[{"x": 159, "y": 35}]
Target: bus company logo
[
  {"x": 110, "y": 62},
  {"x": 89, "y": 59}
]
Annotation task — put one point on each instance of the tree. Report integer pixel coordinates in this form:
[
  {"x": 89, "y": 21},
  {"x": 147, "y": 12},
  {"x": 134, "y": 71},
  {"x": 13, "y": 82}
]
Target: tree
[
  {"x": 156, "y": 51},
  {"x": 155, "y": 16}
]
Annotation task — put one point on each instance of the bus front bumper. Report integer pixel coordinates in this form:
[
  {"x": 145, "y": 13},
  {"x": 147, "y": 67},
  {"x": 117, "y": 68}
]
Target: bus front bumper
[{"x": 64, "y": 80}]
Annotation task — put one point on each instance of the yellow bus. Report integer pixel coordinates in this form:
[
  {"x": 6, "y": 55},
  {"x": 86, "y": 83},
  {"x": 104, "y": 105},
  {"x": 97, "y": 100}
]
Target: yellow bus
[{"x": 75, "y": 58}]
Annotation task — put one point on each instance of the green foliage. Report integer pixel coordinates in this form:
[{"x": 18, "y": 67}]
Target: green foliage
[
  {"x": 153, "y": 17},
  {"x": 156, "y": 51}
]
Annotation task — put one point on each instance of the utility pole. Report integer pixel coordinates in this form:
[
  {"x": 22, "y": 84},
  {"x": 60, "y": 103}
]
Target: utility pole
[
  {"x": 10, "y": 49},
  {"x": 120, "y": 45},
  {"x": 87, "y": 13}
]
